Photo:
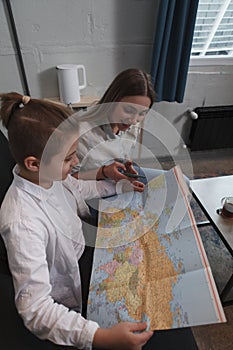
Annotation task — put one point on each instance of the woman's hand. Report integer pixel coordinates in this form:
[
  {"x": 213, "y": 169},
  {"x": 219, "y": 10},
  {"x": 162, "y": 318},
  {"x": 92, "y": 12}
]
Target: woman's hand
[
  {"x": 138, "y": 186},
  {"x": 115, "y": 171},
  {"x": 129, "y": 185},
  {"x": 122, "y": 336},
  {"x": 129, "y": 167}
]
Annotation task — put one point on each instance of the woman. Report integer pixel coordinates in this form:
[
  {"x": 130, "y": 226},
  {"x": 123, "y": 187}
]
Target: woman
[{"x": 111, "y": 130}]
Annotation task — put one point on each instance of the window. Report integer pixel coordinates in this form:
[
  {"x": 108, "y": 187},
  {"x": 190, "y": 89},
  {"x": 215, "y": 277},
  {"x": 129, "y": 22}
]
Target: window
[{"x": 213, "y": 33}]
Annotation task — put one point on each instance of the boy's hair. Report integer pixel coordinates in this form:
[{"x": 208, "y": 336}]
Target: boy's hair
[{"x": 30, "y": 123}]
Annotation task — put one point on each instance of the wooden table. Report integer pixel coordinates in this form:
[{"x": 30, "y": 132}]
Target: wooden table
[{"x": 208, "y": 192}]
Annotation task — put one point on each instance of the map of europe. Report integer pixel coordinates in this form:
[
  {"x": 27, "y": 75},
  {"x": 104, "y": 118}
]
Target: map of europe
[{"x": 149, "y": 262}]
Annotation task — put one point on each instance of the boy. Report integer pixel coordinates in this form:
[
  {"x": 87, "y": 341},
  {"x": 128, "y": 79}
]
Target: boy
[{"x": 42, "y": 231}]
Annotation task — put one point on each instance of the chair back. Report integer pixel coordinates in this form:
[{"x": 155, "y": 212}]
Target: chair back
[{"x": 7, "y": 163}]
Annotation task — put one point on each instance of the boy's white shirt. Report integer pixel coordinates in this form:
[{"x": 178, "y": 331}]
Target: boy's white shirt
[{"x": 44, "y": 240}]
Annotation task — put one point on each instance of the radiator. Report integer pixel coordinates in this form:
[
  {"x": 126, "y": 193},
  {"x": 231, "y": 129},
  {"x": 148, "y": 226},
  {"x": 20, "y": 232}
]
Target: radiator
[{"x": 212, "y": 129}]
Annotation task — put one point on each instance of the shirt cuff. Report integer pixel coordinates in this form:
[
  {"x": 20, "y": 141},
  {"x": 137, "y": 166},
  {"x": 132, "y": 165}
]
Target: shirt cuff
[{"x": 87, "y": 335}]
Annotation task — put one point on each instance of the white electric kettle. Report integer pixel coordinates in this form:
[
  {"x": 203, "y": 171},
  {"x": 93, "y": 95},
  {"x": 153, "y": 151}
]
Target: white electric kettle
[{"x": 68, "y": 82}]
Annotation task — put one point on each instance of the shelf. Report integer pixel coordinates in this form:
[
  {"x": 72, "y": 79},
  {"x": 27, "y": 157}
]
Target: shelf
[{"x": 86, "y": 101}]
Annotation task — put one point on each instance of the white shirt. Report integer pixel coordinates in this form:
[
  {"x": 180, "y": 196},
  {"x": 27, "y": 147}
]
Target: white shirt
[
  {"x": 44, "y": 240},
  {"x": 98, "y": 145}
]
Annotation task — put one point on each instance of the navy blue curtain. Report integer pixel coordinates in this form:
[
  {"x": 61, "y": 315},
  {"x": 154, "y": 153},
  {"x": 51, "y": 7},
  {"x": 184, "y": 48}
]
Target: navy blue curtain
[{"x": 172, "y": 47}]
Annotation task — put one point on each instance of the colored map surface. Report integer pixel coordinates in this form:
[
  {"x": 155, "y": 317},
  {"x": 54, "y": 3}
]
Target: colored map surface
[{"x": 149, "y": 262}]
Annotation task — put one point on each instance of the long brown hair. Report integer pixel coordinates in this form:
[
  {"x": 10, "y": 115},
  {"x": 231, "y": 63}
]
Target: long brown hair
[
  {"x": 130, "y": 82},
  {"x": 30, "y": 123}
]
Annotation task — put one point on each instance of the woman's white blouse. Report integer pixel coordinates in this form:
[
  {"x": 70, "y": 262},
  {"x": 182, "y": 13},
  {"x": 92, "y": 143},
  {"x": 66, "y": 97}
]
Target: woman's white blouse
[
  {"x": 98, "y": 145},
  {"x": 44, "y": 240}
]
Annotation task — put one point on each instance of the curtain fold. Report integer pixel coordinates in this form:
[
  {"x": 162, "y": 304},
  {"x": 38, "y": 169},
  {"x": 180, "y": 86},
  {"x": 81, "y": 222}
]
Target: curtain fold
[{"x": 172, "y": 47}]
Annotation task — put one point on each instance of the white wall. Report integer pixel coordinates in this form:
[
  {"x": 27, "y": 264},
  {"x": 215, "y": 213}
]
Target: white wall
[
  {"x": 106, "y": 36},
  {"x": 206, "y": 86}
]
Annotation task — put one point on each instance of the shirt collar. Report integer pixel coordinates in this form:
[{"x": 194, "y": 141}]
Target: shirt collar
[{"x": 34, "y": 190}]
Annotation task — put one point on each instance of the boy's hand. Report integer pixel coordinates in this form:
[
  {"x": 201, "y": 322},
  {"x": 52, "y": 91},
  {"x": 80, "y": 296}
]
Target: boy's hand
[{"x": 122, "y": 336}]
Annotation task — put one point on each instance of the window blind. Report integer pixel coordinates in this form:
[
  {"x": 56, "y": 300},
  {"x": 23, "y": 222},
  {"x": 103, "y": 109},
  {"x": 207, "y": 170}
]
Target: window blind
[{"x": 213, "y": 33}]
